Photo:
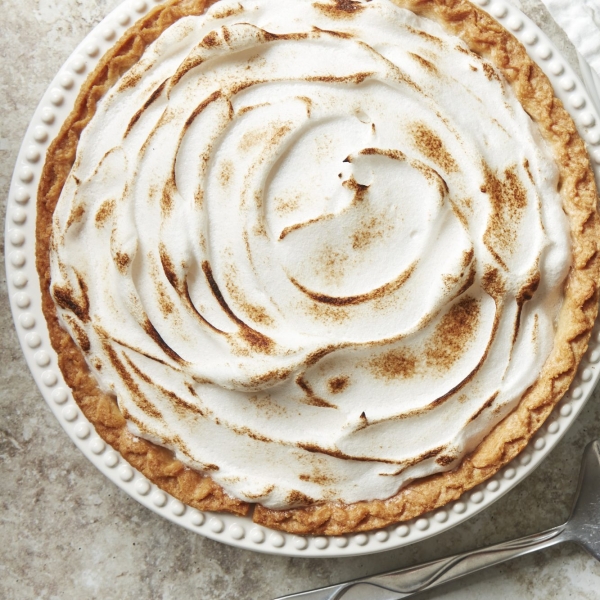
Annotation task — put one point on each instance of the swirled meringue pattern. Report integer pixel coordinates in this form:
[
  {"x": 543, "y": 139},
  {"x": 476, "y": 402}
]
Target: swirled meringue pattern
[{"x": 315, "y": 248}]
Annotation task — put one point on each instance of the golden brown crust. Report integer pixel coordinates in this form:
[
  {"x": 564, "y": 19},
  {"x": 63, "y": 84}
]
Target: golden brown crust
[{"x": 485, "y": 37}]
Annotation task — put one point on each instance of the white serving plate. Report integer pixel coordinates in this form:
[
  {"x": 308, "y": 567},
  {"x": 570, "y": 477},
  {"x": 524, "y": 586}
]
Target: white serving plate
[{"x": 24, "y": 290}]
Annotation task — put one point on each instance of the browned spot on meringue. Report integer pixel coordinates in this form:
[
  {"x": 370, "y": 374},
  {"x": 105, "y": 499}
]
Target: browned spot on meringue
[
  {"x": 215, "y": 289},
  {"x": 258, "y": 136},
  {"x": 225, "y": 173},
  {"x": 413, "y": 461},
  {"x": 311, "y": 398},
  {"x": 259, "y": 229},
  {"x": 296, "y": 498},
  {"x": 445, "y": 460},
  {"x": 398, "y": 363},
  {"x": 487, "y": 404},
  {"x": 140, "y": 425},
  {"x": 136, "y": 394},
  {"x": 256, "y": 313},
  {"x": 67, "y": 299},
  {"x": 83, "y": 341},
  {"x": 285, "y": 36},
  {"x": 223, "y": 13},
  {"x": 247, "y": 109},
  {"x": 236, "y": 88},
  {"x": 199, "y": 197},
  {"x": 287, "y": 230},
  {"x": 332, "y": 264},
  {"x": 226, "y": 34},
  {"x": 451, "y": 280},
  {"x": 493, "y": 283},
  {"x": 459, "y": 214},
  {"x": 428, "y": 66},
  {"x": 262, "y": 494},
  {"x": 340, "y": 9},
  {"x": 122, "y": 261},
  {"x": 354, "y": 78},
  {"x": 257, "y": 340},
  {"x": 153, "y": 333},
  {"x": 133, "y": 77},
  {"x": 166, "y": 306},
  {"x": 251, "y": 434},
  {"x": 524, "y": 294},
  {"x": 317, "y": 355},
  {"x": 453, "y": 334},
  {"x": 104, "y": 212},
  {"x": 265, "y": 404},
  {"x": 318, "y": 478},
  {"x": 316, "y": 449},
  {"x": 308, "y": 102},
  {"x": 103, "y": 335},
  {"x": 508, "y": 199},
  {"x": 428, "y": 142},
  {"x": 469, "y": 281},
  {"x": 394, "y": 154},
  {"x": 168, "y": 266},
  {"x": 286, "y": 205},
  {"x": 363, "y": 422},
  {"x": 153, "y": 97},
  {"x": 432, "y": 176},
  {"x": 167, "y": 200},
  {"x": 210, "y": 467},
  {"x": 535, "y": 331},
  {"x": 210, "y": 40},
  {"x": 379, "y": 292},
  {"x": 490, "y": 73},
  {"x": 185, "y": 295},
  {"x": 426, "y": 36},
  {"x": 338, "y": 34},
  {"x": 450, "y": 338},
  {"x": 180, "y": 405},
  {"x": 425, "y": 455},
  {"x": 360, "y": 190},
  {"x": 528, "y": 170},
  {"x": 199, "y": 109},
  {"x": 529, "y": 288},
  {"x": 75, "y": 215},
  {"x": 337, "y": 385},
  {"x": 327, "y": 313}
]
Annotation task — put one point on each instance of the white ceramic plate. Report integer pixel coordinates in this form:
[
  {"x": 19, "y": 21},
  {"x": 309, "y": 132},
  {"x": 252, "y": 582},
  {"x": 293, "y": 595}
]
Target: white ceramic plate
[{"x": 24, "y": 291}]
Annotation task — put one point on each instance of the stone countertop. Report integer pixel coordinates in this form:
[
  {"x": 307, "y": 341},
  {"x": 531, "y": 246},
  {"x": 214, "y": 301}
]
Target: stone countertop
[{"x": 67, "y": 532}]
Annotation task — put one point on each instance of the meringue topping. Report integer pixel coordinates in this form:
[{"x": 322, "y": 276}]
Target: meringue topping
[{"x": 315, "y": 248}]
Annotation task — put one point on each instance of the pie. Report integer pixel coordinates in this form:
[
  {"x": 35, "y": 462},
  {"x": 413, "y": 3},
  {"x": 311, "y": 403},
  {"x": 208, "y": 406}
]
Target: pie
[{"x": 331, "y": 261}]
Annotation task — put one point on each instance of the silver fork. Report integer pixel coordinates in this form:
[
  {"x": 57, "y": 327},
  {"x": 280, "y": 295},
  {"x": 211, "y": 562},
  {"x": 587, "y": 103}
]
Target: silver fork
[{"x": 582, "y": 527}]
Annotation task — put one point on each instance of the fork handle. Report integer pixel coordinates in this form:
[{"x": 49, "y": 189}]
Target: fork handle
[{"x": 406, "y": 582}]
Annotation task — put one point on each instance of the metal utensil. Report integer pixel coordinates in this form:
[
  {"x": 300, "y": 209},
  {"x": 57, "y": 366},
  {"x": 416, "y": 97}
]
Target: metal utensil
[{"x": 582, "y": 527}]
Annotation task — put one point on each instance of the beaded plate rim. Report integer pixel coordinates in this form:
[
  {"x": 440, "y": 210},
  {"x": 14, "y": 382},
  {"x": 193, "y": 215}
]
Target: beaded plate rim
[{"x": 25, "y": 301}]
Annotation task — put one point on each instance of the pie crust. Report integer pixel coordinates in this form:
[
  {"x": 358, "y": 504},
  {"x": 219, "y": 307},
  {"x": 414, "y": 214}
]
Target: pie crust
[{"x": 485, "y": 37}]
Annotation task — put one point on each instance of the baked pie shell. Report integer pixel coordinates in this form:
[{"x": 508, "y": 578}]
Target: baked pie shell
[{"x": 485, "y": 37}]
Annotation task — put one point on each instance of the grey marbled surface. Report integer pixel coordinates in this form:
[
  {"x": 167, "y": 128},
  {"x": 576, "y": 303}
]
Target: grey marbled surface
[{"x": 67, "y": 532}]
